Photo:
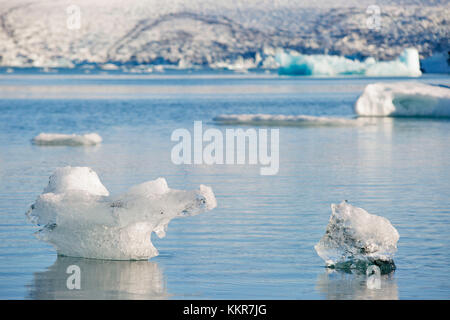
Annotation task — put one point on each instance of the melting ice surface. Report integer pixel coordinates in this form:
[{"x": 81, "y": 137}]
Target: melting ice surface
[
  {"x": 59, "y": 139},
  {"x": 407, "y": 64},
  {"x": 355, "y": 239},
  {"x": 404, "y": 99},
  {"x": 81, "y": 219},
  {"x": 286, "y": 120}
]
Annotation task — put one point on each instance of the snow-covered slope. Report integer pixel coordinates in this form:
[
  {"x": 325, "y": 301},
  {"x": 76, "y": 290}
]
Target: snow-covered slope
[{"x": 235, "y": 34}]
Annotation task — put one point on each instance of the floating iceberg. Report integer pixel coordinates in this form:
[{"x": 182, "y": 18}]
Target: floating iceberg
[
  {"x": 355, "y": 239},
  {"x": 285, "y": 120},
  {"x": 407, "y": 64},
  {"x": 437, "y": 63},
  {"x": 81, "y": 219},
  {"x": 58, "y": 139},
  {"x": 404, "y": 99}
]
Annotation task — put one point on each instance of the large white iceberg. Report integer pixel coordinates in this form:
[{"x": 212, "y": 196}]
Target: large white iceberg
[
  {"x": 285, "y": 120},
  {"x": 81, "y": 219},
  {"x": 59, "y": 139},
  {"x": 407, "y": 64},
  {"x": 355, "y": 239},
  {"x": 405, "y": 99}
]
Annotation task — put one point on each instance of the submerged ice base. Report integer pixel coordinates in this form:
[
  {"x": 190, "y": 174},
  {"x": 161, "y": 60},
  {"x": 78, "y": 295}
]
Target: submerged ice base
[
  {"x": 407, "y": 64},
  {"x": 355, "y": 239},
  {"x": 81, "y": 219},
  {"x": 404, "y": 99},
  {"x": 59, "y": 139}
]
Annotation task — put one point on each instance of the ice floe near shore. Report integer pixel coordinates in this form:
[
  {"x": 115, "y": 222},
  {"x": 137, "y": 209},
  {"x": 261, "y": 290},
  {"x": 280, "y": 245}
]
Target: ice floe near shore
[
  {"x": 81, "y": 219},
  {"x": 286, "y": 120},
  {"x": 407, "y": 64},
  {"x": 58, "y": 139},
  {"x": 404, "y": 99},
  {"x": 356, "y": 239}
]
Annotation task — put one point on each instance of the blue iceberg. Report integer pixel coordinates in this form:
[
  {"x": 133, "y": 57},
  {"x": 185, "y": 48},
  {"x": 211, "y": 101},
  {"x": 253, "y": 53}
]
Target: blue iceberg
[{"x": 406, "y": 65}]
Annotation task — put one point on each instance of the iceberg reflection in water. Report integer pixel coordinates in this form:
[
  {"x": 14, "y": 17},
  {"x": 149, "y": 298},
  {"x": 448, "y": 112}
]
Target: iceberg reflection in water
[
  {"x": 100, "y": 279},
  {"x": 335, "y": 285}
]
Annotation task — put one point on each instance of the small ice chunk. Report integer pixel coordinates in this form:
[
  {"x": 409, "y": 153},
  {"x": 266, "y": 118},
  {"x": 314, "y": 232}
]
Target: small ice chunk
[
  {"x": 404, "y": 99},
  {"x": 109, "y": 66},
  {"x": 356, "y": 239},
  {"x": 285, "y": 120},
  {"x": 81, "y": 220},
  {"x": 59, "y": 139}
]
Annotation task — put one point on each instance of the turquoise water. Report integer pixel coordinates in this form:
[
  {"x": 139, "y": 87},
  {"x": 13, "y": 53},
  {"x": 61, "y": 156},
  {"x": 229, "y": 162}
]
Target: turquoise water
[{"x": 258, "y": 243}]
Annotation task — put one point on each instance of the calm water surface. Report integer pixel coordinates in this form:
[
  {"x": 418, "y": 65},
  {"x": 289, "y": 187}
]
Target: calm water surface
[{"x": 259, "y": 242}]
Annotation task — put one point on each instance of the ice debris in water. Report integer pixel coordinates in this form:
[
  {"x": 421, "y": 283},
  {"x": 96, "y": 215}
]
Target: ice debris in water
[
  {"x": 81, "y": 219},
  {"x": 356, "y": 239},
  {"x": 286, "y": 120},
  {"x": 59, "y": 139},
  {"x": 407, "y": 64},
  {"x": 404, "y": 99}
]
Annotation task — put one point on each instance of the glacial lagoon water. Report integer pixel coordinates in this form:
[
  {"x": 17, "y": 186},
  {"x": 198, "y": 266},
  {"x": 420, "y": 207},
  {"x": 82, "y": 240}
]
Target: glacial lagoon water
[{"x": 259, "y": 242}]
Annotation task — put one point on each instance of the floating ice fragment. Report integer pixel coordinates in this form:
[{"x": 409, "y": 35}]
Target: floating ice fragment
[
  {"x": 356, "y": 239},
  {"x": 58, "y": 139},
  {"x": 81, "y": 220},
  {"x": 286, "y": 120},
  {"x": 404, "y": 99},
  {"x": 109, "y": 66},
  {"x": 407, "y": 64}
]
